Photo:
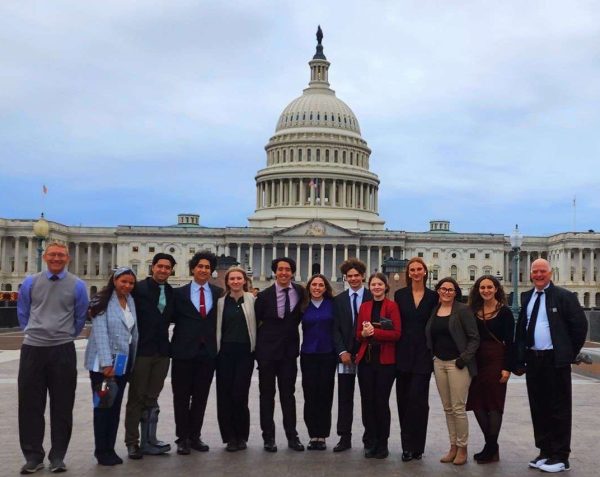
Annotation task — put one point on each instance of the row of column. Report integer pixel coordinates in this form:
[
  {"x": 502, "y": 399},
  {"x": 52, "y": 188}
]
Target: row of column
[
  {"x": 319, "y": 192},
  {"x": 332, "y": 156},
  {"x": 577, "y": 265},
  {"x": 99, "y": 258},
  {"x": 306, "y": 255}
]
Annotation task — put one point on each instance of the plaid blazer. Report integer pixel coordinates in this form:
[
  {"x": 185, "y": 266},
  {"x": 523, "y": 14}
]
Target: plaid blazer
[{"x": 110, "y": 336}]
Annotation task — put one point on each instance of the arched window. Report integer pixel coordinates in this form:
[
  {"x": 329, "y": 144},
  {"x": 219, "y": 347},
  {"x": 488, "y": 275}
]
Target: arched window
[
  {"x": 597, "y": 299},
  {"x": 454, "y": 272},
  {"x": 586, "y": 299}
]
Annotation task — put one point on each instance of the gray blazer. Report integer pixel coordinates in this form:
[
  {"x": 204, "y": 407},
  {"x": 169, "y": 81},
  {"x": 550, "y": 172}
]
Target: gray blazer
[
  {"x": 248, "y": 307},
  {"x": 463, "y": 329},
  {"x": 110, "y": 336}
]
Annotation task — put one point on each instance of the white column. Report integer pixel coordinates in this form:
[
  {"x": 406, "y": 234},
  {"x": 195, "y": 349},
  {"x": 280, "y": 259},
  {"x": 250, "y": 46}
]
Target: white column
[
  {"x": 323, "y": 259},
  {"x": 322, "y": 192},
  {"x": 238, "y": 256},
  {"x": 77, "y": 257},
  {"x": 302, "y": 191},
  {"x": 580, "y": 271},
  {"x": 101, "y": 260},
  {"x": 262, "y": 262},
  {"x": 298, "y": 264},
  {"x": 251, "y": 257},
  {"x": 344, "y": 191},
  {"x": 17, "y": 254},
  {"x": 368, "y": 260},
  {"x": 591, "y": 268},
  {"x": 312, "y": 194},
  {"x": 30, "y": 255},
  {"x": 290, "y": 189},
  {"x": 113, "y": 255},
  {"x": 379, "y": 257},
  {"x": 375, "y": 199},
  {"x": 227, "y": 250},
  {"x": 345, "y": 252},
  {"x": 89, "y": 259},
  {"x": 3, "y": 252},
  {"x": 286, "y": 249},
  {"x": 526, "y": 272},
  {"x": 333, "y": 263},
  {"x": 310, "y": 250}
]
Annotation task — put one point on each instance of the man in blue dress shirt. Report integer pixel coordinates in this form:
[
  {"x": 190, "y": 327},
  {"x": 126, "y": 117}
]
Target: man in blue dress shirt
[{"x": 52, "y": 308}]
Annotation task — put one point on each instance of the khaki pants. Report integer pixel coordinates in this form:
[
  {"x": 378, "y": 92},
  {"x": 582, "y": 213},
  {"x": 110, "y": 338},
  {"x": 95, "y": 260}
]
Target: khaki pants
[{"x": 453, "y": 386}]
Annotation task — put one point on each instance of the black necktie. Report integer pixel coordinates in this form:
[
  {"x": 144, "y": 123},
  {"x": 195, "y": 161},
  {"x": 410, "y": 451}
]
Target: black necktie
[
  {"x": 287, "y": 310},
  {"x": 54, "y": 278},
  {"x": 533, "y": 320},
  {"x": 354, "y": 307}
]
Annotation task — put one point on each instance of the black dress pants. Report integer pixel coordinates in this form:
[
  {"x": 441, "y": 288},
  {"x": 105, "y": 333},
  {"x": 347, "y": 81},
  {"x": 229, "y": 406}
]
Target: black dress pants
[
  {"x": 106, "y": 420},
  {"x": 43, "y": 371},
  {"x": 235, "y": 364},
  {"x": 412, "y": 395},
  {"x": 375, "y": 381},
  {"x": 549, "y": 391},
  {"x": 318, "y": 381},
  {"x": 283, "y": 371},
  {"x": 191, "y": 380}
]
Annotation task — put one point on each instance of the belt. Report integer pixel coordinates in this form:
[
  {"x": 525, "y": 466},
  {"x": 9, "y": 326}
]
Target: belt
[{"x": 540, "y": 353}]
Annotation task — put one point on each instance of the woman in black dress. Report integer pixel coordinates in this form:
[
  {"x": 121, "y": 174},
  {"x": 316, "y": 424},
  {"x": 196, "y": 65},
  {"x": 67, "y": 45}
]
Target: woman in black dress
[
  {"x": 414, "y": 363},
  {"x": 494, "y": 356}
]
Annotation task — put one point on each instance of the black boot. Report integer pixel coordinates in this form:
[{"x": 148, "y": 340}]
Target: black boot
[
  {"x": 489, "y": 454},
  {"x": 153, "y": 424}
]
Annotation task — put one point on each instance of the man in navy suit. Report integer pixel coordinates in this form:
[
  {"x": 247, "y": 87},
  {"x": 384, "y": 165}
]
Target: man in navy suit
[
  {"x": 345, "y": 311},
  {"x": 277, "y": 348},
  {"x": 194, "y": 351},
  {"x": 551, "y": 330}
]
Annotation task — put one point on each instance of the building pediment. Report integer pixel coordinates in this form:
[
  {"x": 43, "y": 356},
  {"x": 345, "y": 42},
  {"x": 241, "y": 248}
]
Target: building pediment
[{"x": 315, "y": 228}]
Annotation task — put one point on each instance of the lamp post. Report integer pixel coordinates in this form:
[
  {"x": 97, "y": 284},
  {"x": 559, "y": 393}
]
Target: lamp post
[
  {"x": 41, "y": 229},
  {"x": 516, "y": 239}
]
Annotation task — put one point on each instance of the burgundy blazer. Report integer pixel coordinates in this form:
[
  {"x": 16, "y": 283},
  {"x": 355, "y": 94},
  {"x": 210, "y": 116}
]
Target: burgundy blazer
[{"x": 386, "y": 338}]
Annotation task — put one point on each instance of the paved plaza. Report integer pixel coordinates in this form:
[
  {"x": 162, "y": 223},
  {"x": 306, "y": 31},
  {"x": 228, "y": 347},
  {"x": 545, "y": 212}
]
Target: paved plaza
[{"x": 516, "y": 439}]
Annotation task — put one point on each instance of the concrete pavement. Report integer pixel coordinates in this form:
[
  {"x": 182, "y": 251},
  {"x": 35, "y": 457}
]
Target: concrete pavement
[{"x": 516, "y": 439}]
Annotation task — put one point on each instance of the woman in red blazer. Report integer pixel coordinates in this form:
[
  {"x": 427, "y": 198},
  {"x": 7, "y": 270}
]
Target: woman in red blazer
[{"x": 377, "y": 329}]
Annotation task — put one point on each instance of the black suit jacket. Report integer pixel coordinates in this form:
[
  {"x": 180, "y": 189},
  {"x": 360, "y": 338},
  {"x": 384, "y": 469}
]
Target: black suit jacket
[
  {"x": 276, "y": 338},
  {"x": 344, "y": 332},
  {"x": 412, "y": 353},
  {"x": 153, "y": 326},
  {"x": 568, "y": 324},
  {"x": 193, "y": 335}
]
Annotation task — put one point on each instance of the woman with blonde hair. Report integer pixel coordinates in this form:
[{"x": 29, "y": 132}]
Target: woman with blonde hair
[{"x": 236, "y": 338}]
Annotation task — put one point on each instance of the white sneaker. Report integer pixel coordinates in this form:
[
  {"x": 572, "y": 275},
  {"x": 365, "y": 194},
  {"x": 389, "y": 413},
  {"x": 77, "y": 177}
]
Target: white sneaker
[
  {"x": 537, "y": 462},
  {"x": 553, "y": 465}
]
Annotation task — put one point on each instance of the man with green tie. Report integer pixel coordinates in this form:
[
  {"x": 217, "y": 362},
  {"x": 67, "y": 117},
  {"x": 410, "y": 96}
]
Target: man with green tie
[{"x": 154, "y": 306}]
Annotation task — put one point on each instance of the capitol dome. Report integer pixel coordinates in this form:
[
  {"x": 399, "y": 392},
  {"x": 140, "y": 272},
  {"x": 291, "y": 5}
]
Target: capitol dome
[
  {"x": 318, "y": 108},
  {"x": 317, "y": 162}
]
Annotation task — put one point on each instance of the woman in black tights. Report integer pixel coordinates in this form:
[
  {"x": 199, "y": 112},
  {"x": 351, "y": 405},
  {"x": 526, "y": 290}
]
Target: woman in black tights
[{"x": 487, "y": 393}]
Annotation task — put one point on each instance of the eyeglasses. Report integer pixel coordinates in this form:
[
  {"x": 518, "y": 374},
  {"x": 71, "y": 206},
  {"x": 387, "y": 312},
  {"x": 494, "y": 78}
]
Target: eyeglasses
[
  {"x": 56, "y": 255},
  {"x": 446, "y": 290}
]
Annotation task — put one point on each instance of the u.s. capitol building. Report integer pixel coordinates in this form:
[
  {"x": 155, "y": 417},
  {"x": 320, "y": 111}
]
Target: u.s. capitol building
[{"x": 317, "y": 202}]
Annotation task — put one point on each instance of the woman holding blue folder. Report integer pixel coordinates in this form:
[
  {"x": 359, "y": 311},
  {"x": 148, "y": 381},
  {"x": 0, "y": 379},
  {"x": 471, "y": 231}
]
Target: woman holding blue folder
[{"x": 110, "y": 350}]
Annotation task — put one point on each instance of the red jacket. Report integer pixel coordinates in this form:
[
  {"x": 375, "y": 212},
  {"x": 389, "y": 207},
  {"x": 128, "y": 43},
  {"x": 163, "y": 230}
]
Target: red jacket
[{"x": 386, "y": 338}]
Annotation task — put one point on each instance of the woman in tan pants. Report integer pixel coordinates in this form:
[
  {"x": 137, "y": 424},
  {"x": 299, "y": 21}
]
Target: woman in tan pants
[{"x": 453, "y": 338}]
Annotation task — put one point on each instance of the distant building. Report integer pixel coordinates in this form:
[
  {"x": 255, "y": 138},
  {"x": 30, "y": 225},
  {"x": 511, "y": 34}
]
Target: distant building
[{"x": 317, "y": 202}]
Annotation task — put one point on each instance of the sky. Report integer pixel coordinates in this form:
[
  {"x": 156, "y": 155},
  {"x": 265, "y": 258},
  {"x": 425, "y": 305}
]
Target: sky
[{"x": 483, "y": 113}]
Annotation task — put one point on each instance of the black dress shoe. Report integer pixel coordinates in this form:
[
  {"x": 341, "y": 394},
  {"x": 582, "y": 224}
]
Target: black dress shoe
[
  {"x": 295, "y": 444},
  {"x": 232, "y": 446},
  {"x": 312, "y": 445},
  {"x": 198, "y": 445},
  {"x": 241, "y": 445},
  {"x": 342, "y": 445},
  {"x": 134, "y": 452},
  {"x": 382, "y": 452},
  {"x": 270, "y": 445},
  {"x": 370, "y": 453},
  {"x": 183, "y": 447},
  {"x": 417, "y": 455},
  {"x": 407, "y": 456}
]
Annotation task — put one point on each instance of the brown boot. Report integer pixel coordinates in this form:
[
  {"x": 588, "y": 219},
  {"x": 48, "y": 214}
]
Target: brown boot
[
  {"x": 461, "y": 456},
  {"x": 450, "y": 456}
]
